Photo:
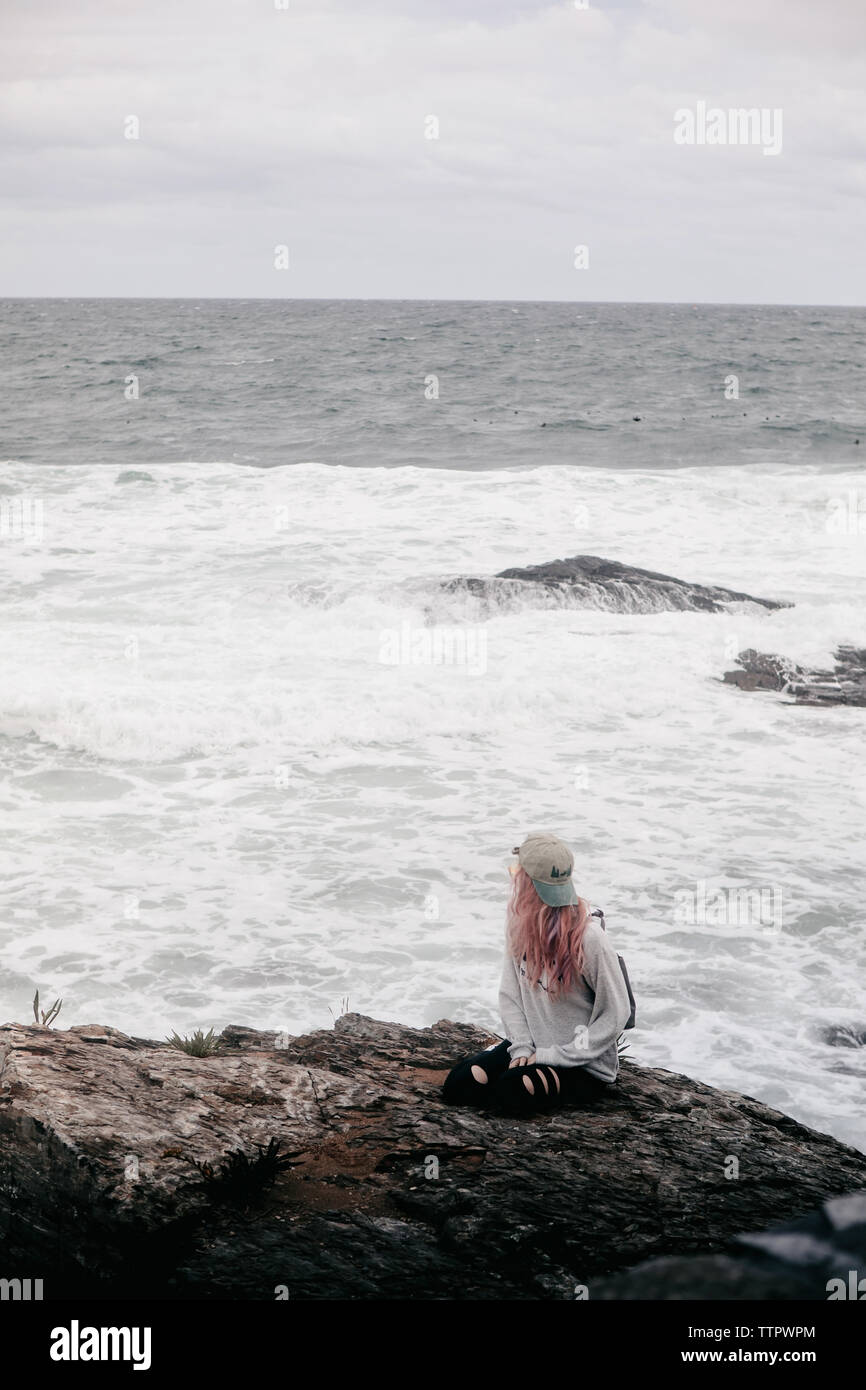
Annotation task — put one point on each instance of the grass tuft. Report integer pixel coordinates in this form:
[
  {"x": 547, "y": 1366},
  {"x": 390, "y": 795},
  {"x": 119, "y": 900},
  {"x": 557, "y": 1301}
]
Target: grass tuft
[
  {"x": 344, "y": 1008},
  {"x": 241, "y": 1177},
  {"x": 48, "y": 1015},
  {"x": 199, "y": 1045}
]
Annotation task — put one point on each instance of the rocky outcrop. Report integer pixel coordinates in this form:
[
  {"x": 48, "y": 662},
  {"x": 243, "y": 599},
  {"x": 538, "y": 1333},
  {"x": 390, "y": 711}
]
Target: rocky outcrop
[
  {"x": 820, "y": 1256},
  {"x": 844, "y": 685},
  {"x": 587, "y": 581},
  {"x": 328, "y": 1166}
]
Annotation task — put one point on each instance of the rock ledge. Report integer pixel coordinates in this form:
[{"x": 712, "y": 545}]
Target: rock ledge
[{"x": 117, "y": 1177}]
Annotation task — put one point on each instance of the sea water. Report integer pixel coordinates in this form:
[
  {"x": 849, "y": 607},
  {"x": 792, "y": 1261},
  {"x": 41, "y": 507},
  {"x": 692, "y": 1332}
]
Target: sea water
[{"x": 258, "y": 759}]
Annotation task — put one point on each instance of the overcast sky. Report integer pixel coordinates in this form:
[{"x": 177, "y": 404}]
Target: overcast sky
[{"x": 306, "y": 127}]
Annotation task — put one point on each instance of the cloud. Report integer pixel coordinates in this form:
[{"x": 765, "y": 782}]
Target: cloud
[{"x": 308, "y": 126}]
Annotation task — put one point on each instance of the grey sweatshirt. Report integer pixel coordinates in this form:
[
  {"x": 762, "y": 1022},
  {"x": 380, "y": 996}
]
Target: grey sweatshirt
[{"x": 578, "y": 1029}]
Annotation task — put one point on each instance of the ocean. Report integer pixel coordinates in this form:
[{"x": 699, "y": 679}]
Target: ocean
[{"x": 257, "y": 758}]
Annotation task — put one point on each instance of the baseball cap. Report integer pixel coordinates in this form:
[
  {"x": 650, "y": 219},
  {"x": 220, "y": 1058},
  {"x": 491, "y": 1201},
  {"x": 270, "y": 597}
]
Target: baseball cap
[{"x": 549, "y": 863}]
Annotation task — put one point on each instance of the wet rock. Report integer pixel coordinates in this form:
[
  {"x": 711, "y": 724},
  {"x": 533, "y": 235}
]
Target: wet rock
[
  {"x": 130, "y": 1169},
  {"x": 761, "y": 671},
  {"x": 843, "y": 1035},
  {"x": 844, "y": 685},
  {"x": 588, "y": 581},
  {"x": 814, "y": 1257}
]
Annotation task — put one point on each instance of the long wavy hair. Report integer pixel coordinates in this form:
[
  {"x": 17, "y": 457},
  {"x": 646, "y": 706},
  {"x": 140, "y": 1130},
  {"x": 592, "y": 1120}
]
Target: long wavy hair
[{"x": 547, "y": 938}]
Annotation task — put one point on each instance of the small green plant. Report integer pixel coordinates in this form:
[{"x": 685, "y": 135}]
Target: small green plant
[
  {"x": 240, "y": 1177},
  {"x": 48, "y": 1016},
  {"x": 199, "y": 1045}
]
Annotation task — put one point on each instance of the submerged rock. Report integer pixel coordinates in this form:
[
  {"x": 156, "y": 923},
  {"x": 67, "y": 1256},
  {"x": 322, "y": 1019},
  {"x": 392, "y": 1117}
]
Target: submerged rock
[
  {"x": 588, "y": 581},
  {"x": 843, "y": 1034},
  {"x": 845, "y": 685},
  {"x": 130, "y": 1169}
]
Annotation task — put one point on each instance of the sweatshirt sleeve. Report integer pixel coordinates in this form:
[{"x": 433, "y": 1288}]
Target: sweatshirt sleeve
[
  {"x": 610, "y": 1010},
  {"x": 511, "y": 1009}
]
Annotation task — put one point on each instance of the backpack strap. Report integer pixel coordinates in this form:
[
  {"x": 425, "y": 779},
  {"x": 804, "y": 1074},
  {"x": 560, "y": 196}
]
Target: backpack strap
[{"x": 599, "y": 913}]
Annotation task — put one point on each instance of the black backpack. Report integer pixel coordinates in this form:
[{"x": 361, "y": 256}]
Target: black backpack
[{"x": 600, "y": 915}]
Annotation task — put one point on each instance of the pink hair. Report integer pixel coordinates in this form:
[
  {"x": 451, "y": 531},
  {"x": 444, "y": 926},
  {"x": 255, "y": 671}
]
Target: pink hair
[{"x": 548, "y": 938}]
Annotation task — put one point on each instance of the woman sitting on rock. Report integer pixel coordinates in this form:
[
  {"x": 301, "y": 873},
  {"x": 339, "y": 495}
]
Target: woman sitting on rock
[{"x": 563, "y": 995}]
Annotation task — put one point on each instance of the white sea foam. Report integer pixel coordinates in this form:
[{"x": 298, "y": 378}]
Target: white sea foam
[{"x": 222, "y": 804}]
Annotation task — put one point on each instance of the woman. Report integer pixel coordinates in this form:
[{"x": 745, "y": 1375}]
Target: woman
[{"x": 563, "y": 997}]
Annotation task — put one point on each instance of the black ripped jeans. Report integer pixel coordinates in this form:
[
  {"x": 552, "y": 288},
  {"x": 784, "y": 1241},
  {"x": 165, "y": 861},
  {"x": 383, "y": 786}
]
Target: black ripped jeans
[{"x": 505, "y": 1087}]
